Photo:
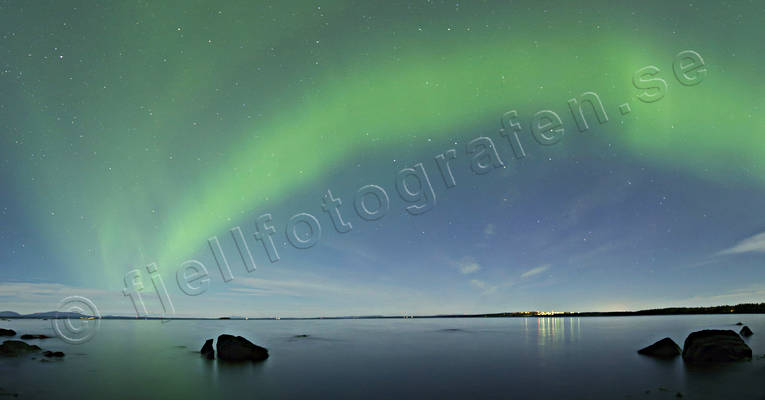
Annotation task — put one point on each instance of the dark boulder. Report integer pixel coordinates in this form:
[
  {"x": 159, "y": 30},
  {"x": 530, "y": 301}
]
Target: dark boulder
[
  {"x": 237, "y": 348},
  {"x": 207, "y": 350},
  {"x": 57, "y": 354},
  {"x": 28, "y": 337},
  {"x": 715, "y": 346},
  {"x": 746, "y": 332},
  {"x": 739, "y": 323},
  {"x": 12, "y": 348},
  {"x": 664, "y": 348},
  {"x": 7, "y": 332}
]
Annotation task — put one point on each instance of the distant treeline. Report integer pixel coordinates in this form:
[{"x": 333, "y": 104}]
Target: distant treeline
[{"x": 747, "y": 308}]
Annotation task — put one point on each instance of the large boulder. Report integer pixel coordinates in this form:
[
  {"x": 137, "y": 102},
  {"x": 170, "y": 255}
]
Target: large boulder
[
  {"x": 12, "y": 348},
  {"x": 207, "y": 350},
  {"x": 237, "y": 348},
  {"x": 715, "y": 346},
  {"x": 746, "y": 332},
  {"x": 7, "y": 332},
  {"x": 664, "y": 348}
]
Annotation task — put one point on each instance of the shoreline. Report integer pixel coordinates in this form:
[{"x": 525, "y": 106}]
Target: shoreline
[{"x": 446, "y": 316}]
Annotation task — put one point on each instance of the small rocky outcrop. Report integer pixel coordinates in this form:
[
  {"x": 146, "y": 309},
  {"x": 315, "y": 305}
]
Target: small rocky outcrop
[
  {"x": 715, "y": 346},
  {"x": 207, "y": 350},
  {"x": 29, "y": 337},
  {"x": 664, "y": 348},
  {"x": 7, "y": 332},
  {"x": 237, "y": 348},
  {"x": 746, "y": 332},
  {"x": 739, "y": 323},
  {"x": 56, "y": 354},
  {"x": 13, "y": 348}
]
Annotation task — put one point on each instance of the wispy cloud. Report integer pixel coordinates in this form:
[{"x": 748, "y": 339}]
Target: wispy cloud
[
  {"x": 31, "y": 297},
  {"x": 35, "y": 290},
  {"x": 467, "y": 266},
  {"x": 749, "y": 294},
  {"x": 259, "y": 286},
  {"x": 535, "y": 271},
  {"x": 470, "y": 268},
  {"x": 489, "y": 230},
  {"x": 483, "y": 286},
  {"x": 753, "y": 244},
  {"x": 478, "y": 283}
]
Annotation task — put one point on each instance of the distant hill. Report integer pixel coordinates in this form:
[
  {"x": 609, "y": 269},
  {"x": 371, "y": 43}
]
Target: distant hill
[
  {"x": 6, "y": 314},
  {"x": 48, "y": 314},
  {"x": 54, "y": 314}
]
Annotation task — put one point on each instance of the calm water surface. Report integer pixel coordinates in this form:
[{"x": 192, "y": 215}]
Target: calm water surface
[{"x": 518, "y": 358}]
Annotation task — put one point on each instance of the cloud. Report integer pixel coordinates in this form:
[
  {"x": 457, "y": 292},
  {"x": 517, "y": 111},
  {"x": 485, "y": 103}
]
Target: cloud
[
  {"x": 489, "y": 230},
  {"x": 32, "y": 297},
  {"x": 535, "y": 271},
  {"x": 260, "y": 286},
  {"x": 483, "y": 286},
  {"x": 754, "y": 244},
  {"x": 469, "y": 268},
  {"x": 747, "y": 294},
  {"x": 478, "y": 283},
  {"x": 46, "y": 291}
]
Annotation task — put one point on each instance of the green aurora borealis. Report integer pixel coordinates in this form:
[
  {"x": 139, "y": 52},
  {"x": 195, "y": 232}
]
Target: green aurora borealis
[{"x": 133, "y": 132}]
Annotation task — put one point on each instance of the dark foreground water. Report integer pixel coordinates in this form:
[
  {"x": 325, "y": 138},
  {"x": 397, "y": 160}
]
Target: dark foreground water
[{"x": 550, "y": 358}]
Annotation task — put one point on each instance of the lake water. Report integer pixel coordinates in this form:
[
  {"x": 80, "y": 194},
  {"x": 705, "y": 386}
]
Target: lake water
[{"x": 518, "y": 358}]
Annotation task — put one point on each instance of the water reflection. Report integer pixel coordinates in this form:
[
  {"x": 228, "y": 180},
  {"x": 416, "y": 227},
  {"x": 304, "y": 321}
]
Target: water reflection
[{"x": 556, "y": 330}]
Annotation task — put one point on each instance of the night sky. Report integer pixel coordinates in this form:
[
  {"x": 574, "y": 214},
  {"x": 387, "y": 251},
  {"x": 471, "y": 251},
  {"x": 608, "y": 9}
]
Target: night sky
[{"x": 133, "y": 132}]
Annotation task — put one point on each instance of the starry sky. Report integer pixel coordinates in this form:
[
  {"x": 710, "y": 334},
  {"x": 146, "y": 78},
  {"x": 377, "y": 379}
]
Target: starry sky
[{"x": 133, "y": 132}]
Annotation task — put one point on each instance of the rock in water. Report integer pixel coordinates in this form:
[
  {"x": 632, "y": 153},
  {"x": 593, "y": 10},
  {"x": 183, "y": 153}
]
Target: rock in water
[
  {"x": 7, "y": 332},
  {"x": 715, "y": 346},
  {"x": 746, "y": 332},
  {"x": 739, "y": 323},
  {"x": 237, "y": 348},
  {"x": 50, "y": 354},
  {"x": 664, "y": 348},
  {"x": 27, "y": 337},
  {"x": 14, "y": 348},
  {"x": 207, "y": 350}
]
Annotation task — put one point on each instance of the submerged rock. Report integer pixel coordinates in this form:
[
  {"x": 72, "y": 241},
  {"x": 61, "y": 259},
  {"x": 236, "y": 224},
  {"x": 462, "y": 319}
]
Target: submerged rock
[
  {"x": 28, "y": 337},
  {"x": 746, "y": 332},
  {"x": 715, "y": 346},
  {"x": 664, "y": 348},
  {"x": 57, "y": 354},
  {"x": 12, "y": 348},
  {"x": 237, "y": 348},
  {"x": 301, "y": 336},
  {"x": 7, "y": 332},
  {"x": 207, "y": 350}
]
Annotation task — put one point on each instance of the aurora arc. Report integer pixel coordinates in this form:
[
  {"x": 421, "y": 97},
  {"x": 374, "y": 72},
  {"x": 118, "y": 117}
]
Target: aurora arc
[{"x": 371, "y": 95}]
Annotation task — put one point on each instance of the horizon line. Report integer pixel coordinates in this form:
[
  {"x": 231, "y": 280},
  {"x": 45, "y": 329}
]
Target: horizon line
[{"x": 741, "y": 308}]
